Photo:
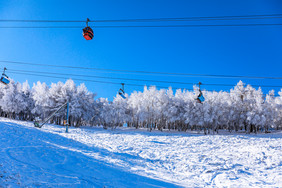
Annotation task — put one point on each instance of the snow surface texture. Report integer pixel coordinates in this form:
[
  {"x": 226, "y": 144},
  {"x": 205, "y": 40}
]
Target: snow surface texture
[{"x": 94, "y": 157}]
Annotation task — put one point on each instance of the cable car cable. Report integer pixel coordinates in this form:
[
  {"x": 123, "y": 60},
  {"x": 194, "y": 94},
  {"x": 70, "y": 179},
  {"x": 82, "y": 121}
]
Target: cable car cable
[
  {"x": 78, "y": 79},
  {"x": 160, "y": 81},
  {"x": 136, "y": 26},
  {"x": 129, "y": 84},
  {"x": 265, "y": 16},
  {"x": 144, "y": 72}
]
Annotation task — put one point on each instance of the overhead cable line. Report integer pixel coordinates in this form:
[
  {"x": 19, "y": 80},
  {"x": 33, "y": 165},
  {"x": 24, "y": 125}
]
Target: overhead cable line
[
  {"x": 207, "y": 18},
  {"x": 78, "y": 79},
  {"x": 137, "y": 26},
  {"x": 271, "y": 16},
  {"x": 144, "y": 72},
  {"x": 131, "y": 79},
  {"x": 86, "y": 80},
  {"x": 116, "y": 83}
]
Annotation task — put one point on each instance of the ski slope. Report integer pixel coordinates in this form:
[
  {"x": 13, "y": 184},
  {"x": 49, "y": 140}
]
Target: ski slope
[{"x": 94, "y": 157}]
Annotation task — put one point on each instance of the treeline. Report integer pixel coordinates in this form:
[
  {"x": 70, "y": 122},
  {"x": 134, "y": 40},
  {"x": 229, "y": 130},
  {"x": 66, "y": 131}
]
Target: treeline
[
  {"x": 18, "y": 101},
  {"x": 243, "y": 108}
]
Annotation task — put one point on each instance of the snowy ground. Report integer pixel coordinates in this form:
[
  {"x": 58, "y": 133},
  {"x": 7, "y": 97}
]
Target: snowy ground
[{"x": 94, "y": 157}]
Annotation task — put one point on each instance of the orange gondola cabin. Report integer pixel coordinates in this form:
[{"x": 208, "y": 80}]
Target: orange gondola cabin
[{"x": 88, "y": 33}]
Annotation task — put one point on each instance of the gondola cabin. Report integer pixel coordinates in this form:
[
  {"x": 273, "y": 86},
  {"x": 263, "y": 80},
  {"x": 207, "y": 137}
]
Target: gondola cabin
[
  {"x": 122, "y": 93},
  {"x": 4, "y": 78},
  {"x": 201, "y": 99},
  {"x": 88, "y": 33}
]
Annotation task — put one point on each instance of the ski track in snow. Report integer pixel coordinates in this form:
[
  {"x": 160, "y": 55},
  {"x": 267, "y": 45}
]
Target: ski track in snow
[{"x": 94, "y": 157}]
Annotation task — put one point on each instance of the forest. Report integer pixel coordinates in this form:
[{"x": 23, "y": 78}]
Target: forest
[{"x": 242, "y": 108}]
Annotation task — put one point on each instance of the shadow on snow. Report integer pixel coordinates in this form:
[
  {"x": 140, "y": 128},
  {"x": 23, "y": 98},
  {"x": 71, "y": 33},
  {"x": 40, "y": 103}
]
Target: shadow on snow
[{"x": 46, "y": 159}]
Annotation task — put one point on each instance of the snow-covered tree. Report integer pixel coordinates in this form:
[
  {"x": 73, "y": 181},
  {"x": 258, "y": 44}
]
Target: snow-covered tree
[{"x": 243, "y": 108}]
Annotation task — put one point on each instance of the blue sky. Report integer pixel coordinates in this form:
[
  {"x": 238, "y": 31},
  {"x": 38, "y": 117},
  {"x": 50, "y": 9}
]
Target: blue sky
[{"x": 252, "y": 51}]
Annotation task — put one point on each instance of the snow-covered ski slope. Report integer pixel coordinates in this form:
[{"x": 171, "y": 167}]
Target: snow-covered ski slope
[{"x": 94, "y": 157}]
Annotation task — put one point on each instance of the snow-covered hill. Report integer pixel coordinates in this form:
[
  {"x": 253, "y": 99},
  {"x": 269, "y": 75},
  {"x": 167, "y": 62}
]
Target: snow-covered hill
[{"x": 94, "y": 157}]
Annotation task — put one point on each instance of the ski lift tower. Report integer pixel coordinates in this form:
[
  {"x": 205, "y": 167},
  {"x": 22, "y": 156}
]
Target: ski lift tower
[{"x": 66, "y": 122}]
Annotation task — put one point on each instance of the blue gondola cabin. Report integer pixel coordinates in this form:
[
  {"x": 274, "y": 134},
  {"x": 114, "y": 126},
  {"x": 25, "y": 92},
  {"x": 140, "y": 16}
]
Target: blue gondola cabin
[{"x": 4, "y": 79}]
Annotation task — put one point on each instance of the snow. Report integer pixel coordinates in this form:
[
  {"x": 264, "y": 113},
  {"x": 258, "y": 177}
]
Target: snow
[{"x": 95, "y": 157}]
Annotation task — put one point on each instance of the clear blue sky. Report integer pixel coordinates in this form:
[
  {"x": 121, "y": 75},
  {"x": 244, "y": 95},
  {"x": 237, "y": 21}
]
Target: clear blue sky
[{"x": 253, "y": 51}]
